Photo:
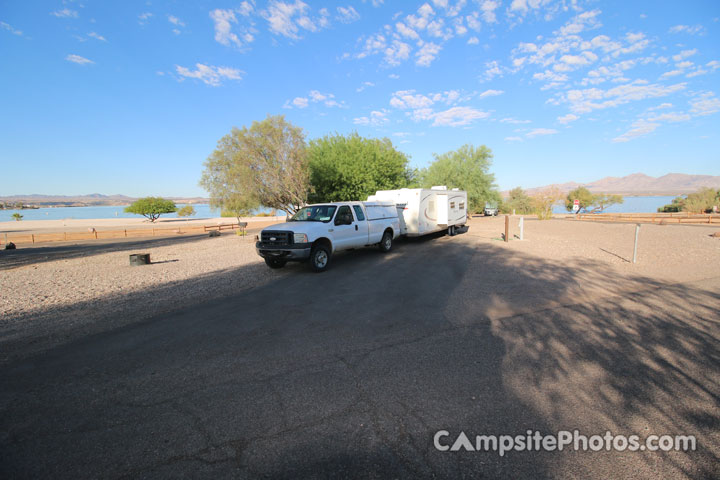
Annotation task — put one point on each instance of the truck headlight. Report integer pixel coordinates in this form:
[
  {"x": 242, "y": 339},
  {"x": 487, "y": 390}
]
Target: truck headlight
[{"x": 299, "y": 238}]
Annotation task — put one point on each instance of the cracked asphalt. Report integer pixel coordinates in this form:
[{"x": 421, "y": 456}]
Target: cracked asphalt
[{"x": 349, "y": 374}]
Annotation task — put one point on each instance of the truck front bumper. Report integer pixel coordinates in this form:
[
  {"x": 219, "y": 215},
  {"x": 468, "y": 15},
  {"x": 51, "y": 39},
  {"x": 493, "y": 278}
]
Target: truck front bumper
[{"x": 298, "y": 251}]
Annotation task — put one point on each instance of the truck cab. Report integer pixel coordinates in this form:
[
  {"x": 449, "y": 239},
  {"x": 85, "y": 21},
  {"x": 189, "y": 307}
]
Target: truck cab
[{"x": 317, "y": 231}]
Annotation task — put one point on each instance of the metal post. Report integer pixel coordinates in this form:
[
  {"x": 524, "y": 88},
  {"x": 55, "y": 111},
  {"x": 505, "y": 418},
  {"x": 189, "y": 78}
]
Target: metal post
[
  {"x": 637, "y": 233},
  {"x": 507, "y": 228},
  {"x": 522, "y": 225}
]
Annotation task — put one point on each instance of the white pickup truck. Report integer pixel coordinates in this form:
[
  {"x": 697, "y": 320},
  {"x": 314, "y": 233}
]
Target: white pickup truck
[{"x": 315, "y": 232}]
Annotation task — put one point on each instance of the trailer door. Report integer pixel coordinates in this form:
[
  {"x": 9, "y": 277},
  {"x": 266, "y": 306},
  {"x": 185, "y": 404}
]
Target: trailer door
[{"x": 441, "y": 202}]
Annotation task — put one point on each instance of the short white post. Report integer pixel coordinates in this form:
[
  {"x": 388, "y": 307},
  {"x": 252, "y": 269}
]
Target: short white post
[
  {"x": 513, "y": 212},
  {"x": 522, "y": 225},
  {"x": 637, "y": 233}
]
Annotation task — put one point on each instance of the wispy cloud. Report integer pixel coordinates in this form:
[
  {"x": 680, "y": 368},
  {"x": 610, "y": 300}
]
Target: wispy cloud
[
  {"x": 287, "y": 19},
  {"x": 690, "y": 29},
  {"x": 490, "y": 93},
  {"x": 65, "y": 13},
  {"x": 78, "y": 59},
  {"x": 458, "y": 116},
  {"x": 640, "y": 128},
  {"x": 143, "y": 18},
  {"x": 97, "y": 36},
  {"x": 9, "y": 28},
  {"x": 538, "y": 132},
  {"x": 209, "y": 74},
  {"x": 565, "y": 119},
  {"x": 347, "y": 14},
  {"x": 224, "y": 21},
  {"x": 377, "y": 118},
  {"x": 314, "y": 96}
]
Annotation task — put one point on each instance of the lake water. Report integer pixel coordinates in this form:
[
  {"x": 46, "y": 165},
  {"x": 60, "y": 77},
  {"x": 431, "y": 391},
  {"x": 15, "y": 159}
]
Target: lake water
[
  {"x": 631, "y": 205},
  {"x": 60, "y": 213}
]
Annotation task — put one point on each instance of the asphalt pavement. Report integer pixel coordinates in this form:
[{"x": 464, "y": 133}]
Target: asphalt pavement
[{"x": 351, "y": 373}]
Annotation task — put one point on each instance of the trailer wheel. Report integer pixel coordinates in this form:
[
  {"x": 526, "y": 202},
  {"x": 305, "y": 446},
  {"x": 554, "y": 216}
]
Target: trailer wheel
[
  {"x": 319, "y": 258},
  {"x": 451, "y": 230},
  {"x": 386, "y": 242},
  {"x": 275, "y": 262}
]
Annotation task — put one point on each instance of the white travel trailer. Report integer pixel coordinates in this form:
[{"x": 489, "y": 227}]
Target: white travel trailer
[{"x": 423, "y": 211}]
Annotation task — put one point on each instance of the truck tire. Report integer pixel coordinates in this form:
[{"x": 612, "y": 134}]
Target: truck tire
[
  {"x": 275, "y": 262},
  {"x": 386, "y": 242},
  {"x": 451, "y": 230},
  {"x": 319, "y": 258}
]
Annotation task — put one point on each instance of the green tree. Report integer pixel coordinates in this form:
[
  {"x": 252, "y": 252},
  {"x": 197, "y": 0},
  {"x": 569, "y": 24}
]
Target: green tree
[
  {"x": 265, "y": 164},
  {"x": 519, "y": 201},
  {"x": 701, "y": 201},
  {"x": 17, "y": 216},
  {"x": 238, "y": 206},
  {"x": 544, "y": 201},
  {"x": 466, "y": 168},
  {"x": 590, "y": 202},
  {"x": 352, "y": 167},
  {"x": 151, "y": 207},
  {"x": 676, "y": 206},
  {"x": 186, "y": 211}
]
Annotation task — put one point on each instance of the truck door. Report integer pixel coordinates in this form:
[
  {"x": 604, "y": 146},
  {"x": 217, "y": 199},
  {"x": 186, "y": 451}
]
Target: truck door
[
  {"x": 344, "y": 228},
  {"x": 363, "y": 227}
]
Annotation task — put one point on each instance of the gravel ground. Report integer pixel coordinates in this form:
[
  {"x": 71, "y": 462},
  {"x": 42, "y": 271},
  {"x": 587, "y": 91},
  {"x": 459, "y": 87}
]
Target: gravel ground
[{"x": 49, "y": 301}]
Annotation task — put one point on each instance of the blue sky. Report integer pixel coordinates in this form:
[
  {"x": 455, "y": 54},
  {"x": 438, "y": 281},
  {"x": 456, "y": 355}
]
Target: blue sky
[{"x": 131, "y": 97}]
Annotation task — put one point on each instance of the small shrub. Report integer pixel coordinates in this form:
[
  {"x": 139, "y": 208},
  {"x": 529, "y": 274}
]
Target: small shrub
[{"x": 17, "y": 216}]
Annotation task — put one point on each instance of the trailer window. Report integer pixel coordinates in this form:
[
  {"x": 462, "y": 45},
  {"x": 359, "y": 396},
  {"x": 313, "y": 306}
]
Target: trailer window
[
  {"x": 452, "y": 204},
  {"x": 462, "y": 205},
  {"x": 359, "y": 213}
]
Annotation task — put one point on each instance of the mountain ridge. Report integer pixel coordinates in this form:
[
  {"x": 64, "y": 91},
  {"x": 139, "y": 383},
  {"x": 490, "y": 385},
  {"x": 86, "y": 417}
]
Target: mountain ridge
[{"x": 641, "y": 184}]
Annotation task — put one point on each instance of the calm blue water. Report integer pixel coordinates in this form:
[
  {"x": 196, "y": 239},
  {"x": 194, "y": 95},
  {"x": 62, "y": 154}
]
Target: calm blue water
[
  {"x": 630, "y": 205},
  {"x": 60, "y": 213}
]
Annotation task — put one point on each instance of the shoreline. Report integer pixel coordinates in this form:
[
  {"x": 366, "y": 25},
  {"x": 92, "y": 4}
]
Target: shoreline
[{"x": 99, "y": 224}]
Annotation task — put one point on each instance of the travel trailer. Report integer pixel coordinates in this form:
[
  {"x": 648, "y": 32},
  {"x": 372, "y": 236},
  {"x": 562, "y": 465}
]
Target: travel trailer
[{"x": 423, "y": 211}]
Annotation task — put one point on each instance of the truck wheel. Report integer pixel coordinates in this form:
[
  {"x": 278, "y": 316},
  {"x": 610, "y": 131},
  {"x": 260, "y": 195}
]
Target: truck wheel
[
  {"x": 386, "y": 242},
  {"x": 319, "y": 258},
  {"x": 451, "y": 230},
  {"x": 275, "y": 262}
]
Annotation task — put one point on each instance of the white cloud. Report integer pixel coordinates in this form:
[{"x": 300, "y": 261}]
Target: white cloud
[
  {"x": 376, "y": 119},
  {"x": 288, "y": 18},
  {"x": 705, "y": 104},
  {"x": 584, "y": 101},
  {"x": 406, "y": 31},
  {"x": 672, "y": 117},
  {"x": 78, "y": 59},
  {"x": 144, "y": 17},
  {"x": 488, "y": 8},
  {"x": 224, "y": 21},
  {"x": 492, "y": 70},
  {"x": 209, "y": 74},
  {"x": 175, "y": 21},
  {"x": 427, "y": 53},
  {"x": 514, "y": 121},
  {"x": 692, "y": 30},
  {"x": 300, "y": 102},
  {"x": 364, "y": 86},
  {"x": 473, "y": 41},
  {"x": 536, "y": 132},
  {"x": 409, "y": 99},
  {"x": 457, "y": 116},
  {"x": 65, "y": 13},
  {"x": 490, "y": 93},
  {"x": 513, "y": 139},
  {"x": 684, "y": 54},
  {"x": 97, "y": 36},
  {"x": 347, "y": 14},
  {"x": 397, "y": 52},
  {"x": 394, "y": 76},
  {"x": 9, "y": 28},
  {"x": 565, "y": 119},
  {"x": 639, "y": 128}
]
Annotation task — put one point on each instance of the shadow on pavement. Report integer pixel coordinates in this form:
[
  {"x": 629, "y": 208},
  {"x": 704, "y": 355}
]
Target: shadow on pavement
[{"x": 350, "y": 373}]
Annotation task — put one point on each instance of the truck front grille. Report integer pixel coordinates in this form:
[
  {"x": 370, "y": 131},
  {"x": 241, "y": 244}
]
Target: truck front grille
[{"x": 276, "y": 238}]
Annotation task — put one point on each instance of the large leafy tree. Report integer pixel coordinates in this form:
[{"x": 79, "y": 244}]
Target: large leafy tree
[
  {"x": 265, "y": 164},
  {"x": 519, "y": 201},
  {"x": 151, "y": 207},
  {"x": 352, "y": 167},
  {"x": 590, "y": 202},
  {"x": 466, "y": 168},
  {"x": 544, "y": 201}
]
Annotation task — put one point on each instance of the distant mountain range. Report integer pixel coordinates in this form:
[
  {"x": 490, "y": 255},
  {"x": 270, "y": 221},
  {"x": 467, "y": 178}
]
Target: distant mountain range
[
  {"x": 91, "y": 200},
  {"x": 641, "y": 184}
]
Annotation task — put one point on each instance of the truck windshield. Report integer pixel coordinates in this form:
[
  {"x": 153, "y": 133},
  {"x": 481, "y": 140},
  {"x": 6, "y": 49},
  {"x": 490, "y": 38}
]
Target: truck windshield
[{"x": 314, "y": 213}]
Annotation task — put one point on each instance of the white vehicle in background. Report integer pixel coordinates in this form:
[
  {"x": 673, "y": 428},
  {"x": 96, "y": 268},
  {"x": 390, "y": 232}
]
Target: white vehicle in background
[
  {"x": 426, "y": 211},
  {"x": 315, "y": 232}
]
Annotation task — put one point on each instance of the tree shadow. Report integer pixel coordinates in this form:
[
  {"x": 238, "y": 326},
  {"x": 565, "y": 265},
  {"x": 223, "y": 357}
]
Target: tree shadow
[{"x": 351, "y": 372}]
